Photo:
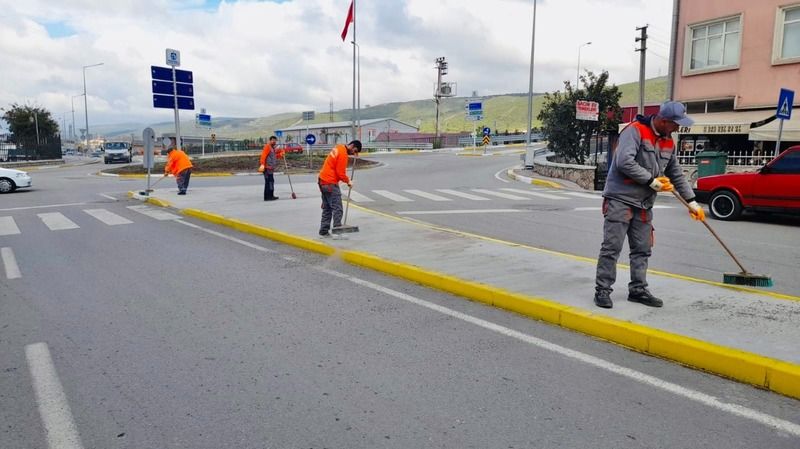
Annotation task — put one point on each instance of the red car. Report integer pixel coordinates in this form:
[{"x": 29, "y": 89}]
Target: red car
[
  {"x": 293, "y": 147},
  {"x": 773, "y": 188}
]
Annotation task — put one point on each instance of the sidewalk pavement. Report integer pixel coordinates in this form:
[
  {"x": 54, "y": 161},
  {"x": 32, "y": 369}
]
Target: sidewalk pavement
[{"x": 745, "y": 334}]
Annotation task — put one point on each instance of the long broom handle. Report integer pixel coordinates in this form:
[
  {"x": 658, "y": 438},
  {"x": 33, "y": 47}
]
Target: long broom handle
[
  {"x": 286, "y": 164},
  {"x": 680, "y": 198},
  {"x": 350, "y": 188}
]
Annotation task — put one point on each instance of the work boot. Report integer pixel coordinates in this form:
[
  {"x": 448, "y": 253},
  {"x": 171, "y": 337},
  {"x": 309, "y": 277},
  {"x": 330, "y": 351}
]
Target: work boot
[
  {"x": 602, "y": 298},
  {"x": 642, "y": 296}
]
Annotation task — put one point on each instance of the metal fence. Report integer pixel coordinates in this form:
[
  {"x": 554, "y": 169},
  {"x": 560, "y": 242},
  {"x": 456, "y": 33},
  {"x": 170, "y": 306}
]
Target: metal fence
[
  {"x": 31, "y": 149},
  {"x": 736, "y": 158}
]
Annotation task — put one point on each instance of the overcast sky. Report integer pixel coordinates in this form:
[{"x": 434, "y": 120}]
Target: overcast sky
[{"x": 256, "y": 58}]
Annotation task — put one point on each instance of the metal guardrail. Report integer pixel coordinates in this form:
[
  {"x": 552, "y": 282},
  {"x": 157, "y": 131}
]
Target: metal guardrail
[
  {"x": 397, "y": 146},
  {"x": 743, "y": 158}
]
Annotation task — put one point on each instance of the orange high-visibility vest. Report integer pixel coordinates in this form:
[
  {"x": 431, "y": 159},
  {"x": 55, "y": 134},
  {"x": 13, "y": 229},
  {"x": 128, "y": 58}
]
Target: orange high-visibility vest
[
  {"x": 335, "y": 167},
  {"x": 177, "y": 161}
]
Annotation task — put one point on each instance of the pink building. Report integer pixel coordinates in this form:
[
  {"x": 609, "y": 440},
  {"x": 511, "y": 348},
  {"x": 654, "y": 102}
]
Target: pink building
[{"x": 732, "y": 57}]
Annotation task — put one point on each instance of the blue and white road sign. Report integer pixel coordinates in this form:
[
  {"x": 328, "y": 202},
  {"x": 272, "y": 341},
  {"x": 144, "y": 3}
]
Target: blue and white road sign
[
  {"x": 168, "y": 102},
  {"x": 487, "y": 131},
  {"x": 311, "y": 139},
  {"x": 165, "y": 74},
  {"x": 204, "y": 120},
  {"x": 165, "y": 88},
  {"x": 278, "y": 133},
  {"x": 785, "y": 101}
]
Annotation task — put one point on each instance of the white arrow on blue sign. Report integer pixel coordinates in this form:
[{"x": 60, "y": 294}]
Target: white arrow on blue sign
[{"x": 311, "y": 139}]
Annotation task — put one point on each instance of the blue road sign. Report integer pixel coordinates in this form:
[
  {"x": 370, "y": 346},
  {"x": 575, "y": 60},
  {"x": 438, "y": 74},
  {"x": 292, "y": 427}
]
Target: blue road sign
[
  {"x": 486, "y": 131},
  {"x": 165, "y": 88},
  {"x": 311, "y": 139},
  {"x": 785, "y": 101},
  {"x": 477, "y": 106},
  {"x": 278, "y": 133},
  {"x": 165, "y": 74},
  {"x": 168, "y": 102}
]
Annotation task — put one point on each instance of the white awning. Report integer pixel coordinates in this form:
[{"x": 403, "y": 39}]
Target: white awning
[
  {"x": 791, "y": 130},
  {"x": 731, "y": 122}
]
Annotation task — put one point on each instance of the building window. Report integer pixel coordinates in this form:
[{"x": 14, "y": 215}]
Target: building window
[
  {"x": 714, "y": 45},
  {"x": 787, "y": 35}
]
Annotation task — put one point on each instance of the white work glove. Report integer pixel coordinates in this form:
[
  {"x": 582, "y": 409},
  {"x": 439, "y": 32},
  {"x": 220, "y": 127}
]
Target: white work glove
[{"x": 661, "y": 184}]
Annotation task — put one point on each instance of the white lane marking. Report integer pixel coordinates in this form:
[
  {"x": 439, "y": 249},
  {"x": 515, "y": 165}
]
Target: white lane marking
[
  {"x": 497, "y": 176},
  {"x": 583, "y": 195},
  {"x": 468, "y": 196},
  {"x": 56, "y": 221},
  {"x": 42, "y": 207},
  {"x": 151, "y": 212},
  {"x": 107, "y": 196},
  {"x": 507, "y": 196},
  {"x": 8, "y": 226},
  {"x": 589, "y": 208},
  {"x": 227, "y": 237},
  {"x": 359, "y": 198},
  {"x": 460, "y": 211},
  {"x": 107, "y": 217},
  {"x": 59, "y": 426},
  {"x": 392, "y": 196},
  {"x": 430, "y": 196},
  {"x": 10, "y": 263},
  {"x": 688, "y": 393},
  {"x": 537, "y": 194},
  {"x": 678, "y": 390}
]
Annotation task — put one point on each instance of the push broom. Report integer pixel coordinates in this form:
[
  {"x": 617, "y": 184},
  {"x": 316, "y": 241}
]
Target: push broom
[
  {"x": 345, "y": 228},
  {"x": 286, "y": 164},
  {"x": 744, "y": 277}
]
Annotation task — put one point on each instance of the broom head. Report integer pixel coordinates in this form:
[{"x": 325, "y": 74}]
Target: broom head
[{"x": 744, "y": 278}]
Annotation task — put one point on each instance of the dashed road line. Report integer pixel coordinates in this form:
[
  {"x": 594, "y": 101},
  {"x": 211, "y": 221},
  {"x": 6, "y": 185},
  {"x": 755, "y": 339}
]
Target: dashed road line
[
  {"x": 426, "y": 195},
  {"x": 8, "y": 226},
  {"x": 107, "y": 217},
  {"x": 10, "y": 263},
  {"x": 464, "y": 195},
  {"x": 56, "y": 221}
]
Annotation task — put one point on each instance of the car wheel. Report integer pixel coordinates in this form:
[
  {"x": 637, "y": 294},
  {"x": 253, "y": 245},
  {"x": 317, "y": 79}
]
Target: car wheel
[
  {"x": 6, "y": 185},
  {"x": 725, "y": 205}
]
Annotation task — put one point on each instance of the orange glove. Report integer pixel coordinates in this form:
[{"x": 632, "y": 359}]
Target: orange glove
[
  {"x": 696, "y": 211},
  {"x": 261, "y": 168},
  {"x": 661, "y": 184}
]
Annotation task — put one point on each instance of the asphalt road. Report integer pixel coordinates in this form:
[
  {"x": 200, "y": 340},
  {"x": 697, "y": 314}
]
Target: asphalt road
[{"x": 168, "y": 332}]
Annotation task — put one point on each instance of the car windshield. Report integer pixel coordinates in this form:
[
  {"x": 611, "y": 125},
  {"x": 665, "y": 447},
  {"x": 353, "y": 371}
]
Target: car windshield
[{"x": 116, "y": 146}]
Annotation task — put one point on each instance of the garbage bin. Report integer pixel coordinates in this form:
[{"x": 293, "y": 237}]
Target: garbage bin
[{"x": 711, "y": 163}]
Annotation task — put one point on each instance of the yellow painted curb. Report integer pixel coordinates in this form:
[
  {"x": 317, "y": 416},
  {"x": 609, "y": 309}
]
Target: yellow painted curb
[
  {"x": 158, "y": 202},
  {"x": 551, "y": 184},
  {"x": 764, "y": 372},
  {"x": 195, "y": 175}
]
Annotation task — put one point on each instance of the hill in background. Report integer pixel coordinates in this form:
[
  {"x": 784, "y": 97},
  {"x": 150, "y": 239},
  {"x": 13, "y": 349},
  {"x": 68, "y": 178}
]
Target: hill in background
[{"x": 501, "y": 112}]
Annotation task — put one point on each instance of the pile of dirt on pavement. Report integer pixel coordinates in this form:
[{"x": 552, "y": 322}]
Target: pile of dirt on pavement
[{"x": 298, "y": 163}]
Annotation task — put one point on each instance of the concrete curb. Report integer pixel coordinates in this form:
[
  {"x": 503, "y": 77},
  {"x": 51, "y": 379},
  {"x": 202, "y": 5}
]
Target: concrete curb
[
  {"x": 527, "y": 180},
  {"x": 138, "y": 176},
  {"x": 763, "y": 372}
]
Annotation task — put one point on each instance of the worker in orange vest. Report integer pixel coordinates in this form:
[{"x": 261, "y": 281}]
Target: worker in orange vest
[
  {"x": 178, "y": 164},
  {"x": 269, "y": 159},
  {"x": 334, "y": 170}
]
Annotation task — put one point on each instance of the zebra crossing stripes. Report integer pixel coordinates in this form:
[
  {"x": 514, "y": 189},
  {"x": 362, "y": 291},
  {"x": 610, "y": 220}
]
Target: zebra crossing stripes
[
  {"x": 56, "y": 221},
  {"x": 8, "y": 226},
  {"x": 158, "y": 214},
  {"x": 537, "y": 194},
  {"x": 507, "y": 196},
  {"x": 393, "y": 196},
  {"x": 359, "y": 198},
  {"x": 107, "y": 217},
  {"x": 430, "y": 196},
  {"x": 583, "y": 195},
  {"x": 464, "y": 195}
]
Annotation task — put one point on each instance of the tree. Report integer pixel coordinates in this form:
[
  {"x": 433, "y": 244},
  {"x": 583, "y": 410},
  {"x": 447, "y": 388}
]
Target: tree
[
  {"x": 569, "y": 137},
  {"x": 22, "y": 122}
]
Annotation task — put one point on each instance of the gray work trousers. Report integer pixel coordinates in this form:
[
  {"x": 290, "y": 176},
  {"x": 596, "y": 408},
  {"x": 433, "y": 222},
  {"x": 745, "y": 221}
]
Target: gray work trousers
[
  {"x": 183, "y": 180},
  {"x": 331, "y": 206},
  {"x": 623, "y": 220}
]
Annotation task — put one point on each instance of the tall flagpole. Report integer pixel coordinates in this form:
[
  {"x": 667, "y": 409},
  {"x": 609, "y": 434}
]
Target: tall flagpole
[{"x": 353, "y": 127}]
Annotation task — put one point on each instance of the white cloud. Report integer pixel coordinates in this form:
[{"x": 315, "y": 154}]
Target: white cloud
[{"x": 254, "y": 58}]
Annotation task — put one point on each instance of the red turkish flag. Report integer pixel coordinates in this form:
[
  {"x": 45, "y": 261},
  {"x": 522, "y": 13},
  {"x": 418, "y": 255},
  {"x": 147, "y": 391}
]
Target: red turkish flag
[{"x": 348, "y": 21}]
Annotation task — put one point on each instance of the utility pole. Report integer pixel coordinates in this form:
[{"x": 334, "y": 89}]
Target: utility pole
[
  {"x": 529, "y": 123},
  {"x": 441, "y": 70},
  {"x": 643, "y": 51}
]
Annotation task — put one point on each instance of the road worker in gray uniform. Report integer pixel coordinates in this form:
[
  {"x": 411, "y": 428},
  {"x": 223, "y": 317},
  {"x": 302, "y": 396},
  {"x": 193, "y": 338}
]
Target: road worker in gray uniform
[{"x": 644, "y": 163}]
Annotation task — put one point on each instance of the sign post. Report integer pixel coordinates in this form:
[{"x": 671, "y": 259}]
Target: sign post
[
  {"x": 784, "y": 112},
  {"x": 149, "y": 138},
  {"x": 307, "y": 117},
  {"x": 176, "y": 93}
]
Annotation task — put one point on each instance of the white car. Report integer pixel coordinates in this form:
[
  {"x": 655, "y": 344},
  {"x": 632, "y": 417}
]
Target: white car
[{"x": 11, "y": 180}]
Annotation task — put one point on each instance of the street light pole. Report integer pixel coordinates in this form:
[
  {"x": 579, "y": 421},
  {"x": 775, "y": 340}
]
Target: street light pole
[
  {"x": 86, "y": 103},
  {"x": 578, "y": 72},
  {"x": 530, "y": 79}
]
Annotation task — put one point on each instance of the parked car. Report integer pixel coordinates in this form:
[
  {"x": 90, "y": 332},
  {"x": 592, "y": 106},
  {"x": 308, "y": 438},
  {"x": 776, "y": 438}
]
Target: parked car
[
  {"x": 773, "y": 188},
  {"x": 11, "y": 180},
  {"x": 292, "y": 147},
  {"x": 117, "y": 152},
  {"x": 96, "y": 153}
]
